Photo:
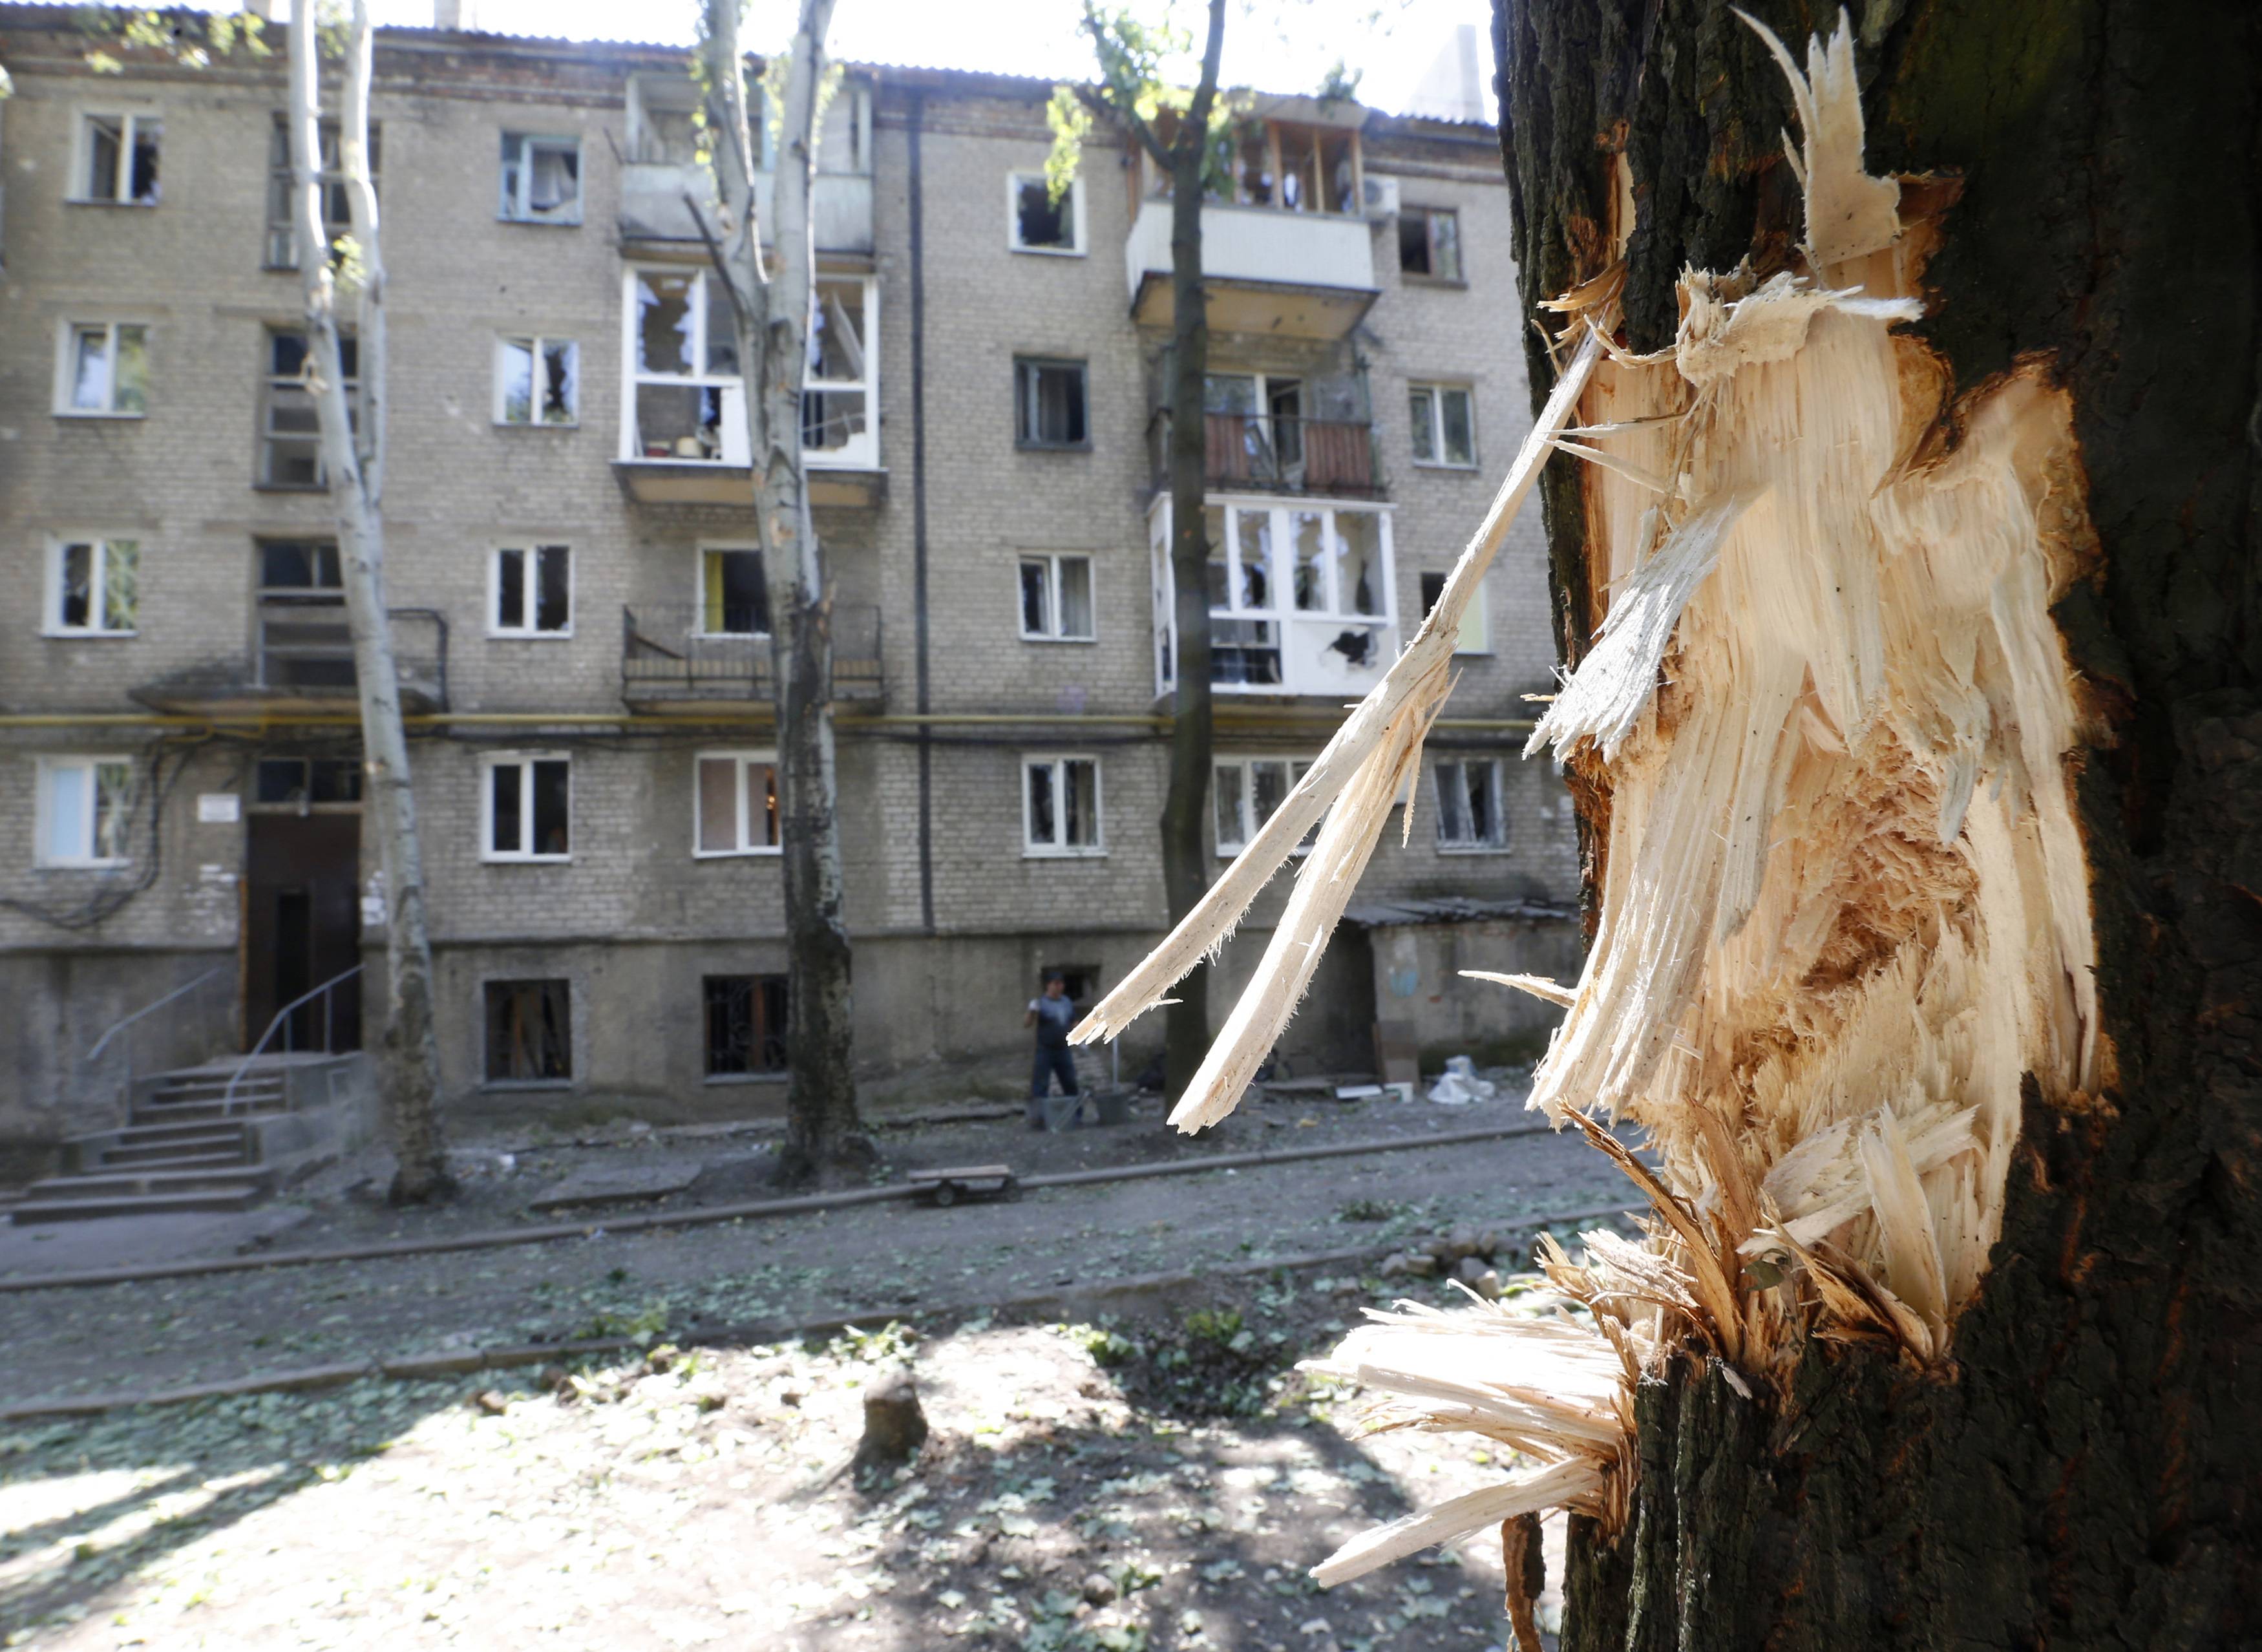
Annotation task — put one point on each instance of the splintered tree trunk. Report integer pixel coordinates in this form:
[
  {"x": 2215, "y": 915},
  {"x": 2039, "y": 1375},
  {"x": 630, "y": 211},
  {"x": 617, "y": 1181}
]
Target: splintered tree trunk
[
  {"x": 823, "y": 1134},
  {"x": 2007, "y": 1391}
]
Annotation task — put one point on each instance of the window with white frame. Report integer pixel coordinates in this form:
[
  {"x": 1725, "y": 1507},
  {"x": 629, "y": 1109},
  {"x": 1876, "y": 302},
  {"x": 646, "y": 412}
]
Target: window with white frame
[
  {"x": 525, "y": 806},
  {"x": 1057, "y": 598},
  {"x": 537, "y": 381},
  {"x": 541, "y": 179},
  {"x": 104, "y": 371},
  {"x": 84, "y": 807},
  {"x": 1245, "y": 792},
  {"x": 1444, "y": 426},
  {"x": 839, "y": 425},
  {"x": 737, "y": 805},
  {"x": 1468, "y": 804},
  {"x": 532, "y": 591},
  {"x": 94, "y": 586},
  {"x": 117, "y": 159},
  {"x": 1298, "y": 595},
  {"x": 1060, "y": 805},
  {"x": 1036, "y": 222},
  {"x": 1475, "y": 635},
  {"x": 329, "y": 178},
  {"x": 1429, "y": 242}
]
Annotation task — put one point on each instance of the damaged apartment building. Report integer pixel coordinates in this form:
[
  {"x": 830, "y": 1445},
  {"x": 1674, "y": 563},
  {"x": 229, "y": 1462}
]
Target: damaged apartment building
[{"x": 576, "y": 599}]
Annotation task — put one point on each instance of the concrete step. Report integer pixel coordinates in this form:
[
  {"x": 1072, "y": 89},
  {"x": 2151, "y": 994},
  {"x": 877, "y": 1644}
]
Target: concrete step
[
  {"x": 186, "y": 1136},
  {"x": 32, "y": 1211},
  {"x": 216, "y": 1089},
  {"x": 108, "y": 1183},
  {"x": 148, "y": 1113},
  {"x": 164, "y": 1156}
]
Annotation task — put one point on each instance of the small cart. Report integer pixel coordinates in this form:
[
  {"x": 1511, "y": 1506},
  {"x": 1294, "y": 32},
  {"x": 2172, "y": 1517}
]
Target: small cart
[{"x": 966, "y": 1181}]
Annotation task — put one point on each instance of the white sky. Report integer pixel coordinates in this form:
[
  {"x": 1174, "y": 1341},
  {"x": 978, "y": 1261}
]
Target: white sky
[{"x": 1281, "y": 45}]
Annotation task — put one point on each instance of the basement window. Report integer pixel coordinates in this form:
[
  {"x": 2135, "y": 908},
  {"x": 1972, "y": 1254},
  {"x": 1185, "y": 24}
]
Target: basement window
[
  {"x": 1060, "y": 806},
  {"x": 541, "y": 179},
  {"x": 525, "y": 805},
  {"x": 532, "y": 591},
  {"x": 1038, "y": 223},
  {"x": 1476, "y": 625},
  {"x": 1468, "y": 806},
  {"x": 103, "y": 373},
  {"x": 1057, "y": 598},
  {"x": 117, "y": 159},
  {"x": 529, "y": 1032},
  {"x": 1048, "y": 400},
  {"x": 1245, "y": 792},
  {"x": 1442, "y": 419},
  {"x": 736, "y": 810},
  {"x": 84, "y": 806},
  {"x": 1429, "y": 243},
  {"x": 745, "y": 1024},
  {"x": 93, "y": 587},
  {"x": 289, "y": 429},
  {"x": 537, "y": 381}
]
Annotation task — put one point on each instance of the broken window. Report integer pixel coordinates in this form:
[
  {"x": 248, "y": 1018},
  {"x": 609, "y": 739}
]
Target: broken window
[
  {"x": 1247, "y": 791},
  {"x": 1060, "y": 805},
  {"x": 661, "y": 129},
  {"x": 537, "y": 381},
  {"x": 530, "y": 1031},
  {"x": 737, "y": 807},
  {"x": 117, "y": 159},
  {"x": 93, "y": 587},
  {"x": 734, "y": 599},
  {"x": 541, "y": 179},
  {"x": 304, "y": 640},
  {"x": 1429, "y": 242},
  {"x": 745, "y": 1023},
  {"x": 533, "y": 588},
  {"x": 1057, "y": 598},
  {"x": 526, "y": 805},
  {"x": 1356, "y": 536},
  {"x": 1037, "y": 222},
  {"x": 282, "y": 211},
  {"x": 1469, "y": 804},
  {"x": 1476, "y": 625},
  {"x": 836, "y": 393},
  {"x": 289, "y": 429},
  {"x": 1048, "y": 400},
  {"x": 306, "y": 780},
  {"x": 84, "y": 805},
  {"x": 106, "y": 370},
  {"x": 1444, "y": 423}
]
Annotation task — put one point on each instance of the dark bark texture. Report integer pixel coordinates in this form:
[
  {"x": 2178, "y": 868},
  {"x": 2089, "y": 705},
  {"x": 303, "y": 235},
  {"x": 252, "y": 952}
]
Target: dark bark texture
[{"x": 2088, "y": 1473}]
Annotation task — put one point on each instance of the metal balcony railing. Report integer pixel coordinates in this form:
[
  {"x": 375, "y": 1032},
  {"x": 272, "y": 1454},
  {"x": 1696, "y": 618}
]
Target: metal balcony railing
[
  {"x": 1277, "y": 453},
  {"x": 684, "y": 652}
]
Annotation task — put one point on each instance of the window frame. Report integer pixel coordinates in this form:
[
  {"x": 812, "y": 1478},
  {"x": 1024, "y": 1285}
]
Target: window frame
[
  {"x": 43, "y": 812},
  {"x": 559, "y": 1081},
  {"x": 1026, "y": 369},
  {"x": 130, "y": 119},
  {"x": 1032, "y": 849},
  {"x": 1437, "y": 390},
  {"x": 284, "y": 232},
  {"x": 513, "y": 206},
  {"x": 751, "y": 1074},
  {"x": 51, "y": 599},
  {"x": 741, "y": 759},
  {"x": 1477, "y": 615},
  {"x": 269, "y": 381},
  {"x": 1052, "y": 561},
  {"x": 1297, "y": 768},
  {"x": 699, "y": 555},
  {"x": 524, "y": 762},
  {"x": 537, "y": 343},
  {"x": 1429, "y": 216},
  {"x": 1072, "y": 206},
  {"x": 527, "y": 632},
  {"x": 1499, "y": 844},
  {"x": 67, "y": 362}
]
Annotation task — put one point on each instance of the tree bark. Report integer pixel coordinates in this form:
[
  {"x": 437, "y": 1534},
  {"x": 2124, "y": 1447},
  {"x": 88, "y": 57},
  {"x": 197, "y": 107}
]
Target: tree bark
[
  {"x": 823, "y": 1132},
  {"x": 355, "y": 460},
  {"x": 2083, "y": 1472},
  {"x": 1186, "y": 861}
]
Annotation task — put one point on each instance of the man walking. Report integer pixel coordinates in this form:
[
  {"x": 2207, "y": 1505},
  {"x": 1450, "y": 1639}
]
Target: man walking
[{"x": 1052, "y": 1015}]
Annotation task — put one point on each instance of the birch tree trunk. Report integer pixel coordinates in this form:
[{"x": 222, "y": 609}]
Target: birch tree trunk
[
  {"x": 354, "y": 459},
  {"x": 824, "y": 1133},
  {"x": 2085, "y": 1470}
]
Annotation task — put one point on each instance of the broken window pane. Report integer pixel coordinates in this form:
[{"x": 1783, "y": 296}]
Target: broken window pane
[
  {"x": 1043, "y": 828},
  {"x": 1254, "y": 529},
  {"x": 1468, "y": 806},
  {"x": 1232, "y": 821},
  {"x": 1081, "y": 785},
  {"x": 722, "y": 327},
  {"x": 830, "y": 418},
  {"x": 561, "y": 382},
  {"x": 141, "y": 181},
  {"x": 1307, "y": 541},
  {"x": 541, "y": 178},
  {"x": 553, "y": 588},
  {"x": 290, "y": 448},
  {"x": 105, "y": 141},
  {"x": 1040, "y": 222},
  {"x": 680, "y": 421},
  {"x": 1036, "y": 597},
  {"x": 537, "y": 380},
  {"x": 1049, "y": 397},
  {"x": 745, "y": 1023},
  {"x": 1422, "y": 414},
  {"x": 1358, "y": 568},
  {"x": 530, "y": 1031},
  {"x": 1414, "y": 242},
  {"x": 282, "y": 250},
  {"x": 664, "y": 323},
  {"x": 75, "y": 587},
  {"x": 551, "y": 791}
]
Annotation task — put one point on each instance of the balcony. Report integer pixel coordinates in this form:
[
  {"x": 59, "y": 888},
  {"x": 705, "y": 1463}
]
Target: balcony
[
  {"x": 656, "y": 217},
  {"x": 1247, "y": 453},
  {"x": 669, "y": 657},
  {"x": 1276, "y": 273},
  {"x": 303, "y": 665}
]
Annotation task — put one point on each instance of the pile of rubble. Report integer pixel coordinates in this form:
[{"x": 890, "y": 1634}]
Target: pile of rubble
[{"x": 1467, "y": 1253}]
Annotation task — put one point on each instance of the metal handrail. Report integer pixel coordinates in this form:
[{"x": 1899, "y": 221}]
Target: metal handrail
[
  {"x": 281, "y": 1017},
  {"x": 123, "y": 1022}
]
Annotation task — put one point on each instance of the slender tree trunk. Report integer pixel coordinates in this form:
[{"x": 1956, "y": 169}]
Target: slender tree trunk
[
  {"x": 355, "y": 461},
  {"x": 1186, "y": 861},
  {"x": 824, "y": 1133},
  {"x": 2086, "y": 1470}
]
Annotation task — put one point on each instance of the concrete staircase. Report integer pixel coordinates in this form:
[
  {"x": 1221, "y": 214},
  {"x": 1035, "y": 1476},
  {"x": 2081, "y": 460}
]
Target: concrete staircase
[{"x": 183, "y": 1149}]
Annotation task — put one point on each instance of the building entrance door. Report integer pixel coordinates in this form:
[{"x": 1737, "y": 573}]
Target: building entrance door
[{"x": 302, "y": 927}]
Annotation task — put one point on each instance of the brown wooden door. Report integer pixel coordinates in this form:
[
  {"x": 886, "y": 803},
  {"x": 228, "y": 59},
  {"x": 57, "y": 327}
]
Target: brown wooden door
[{"x": 302, "y": 927}]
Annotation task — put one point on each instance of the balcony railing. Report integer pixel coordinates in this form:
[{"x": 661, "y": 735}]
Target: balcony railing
[
  {"x": 1277, "y": 453},
  {"x": 668, "y": 652}
]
